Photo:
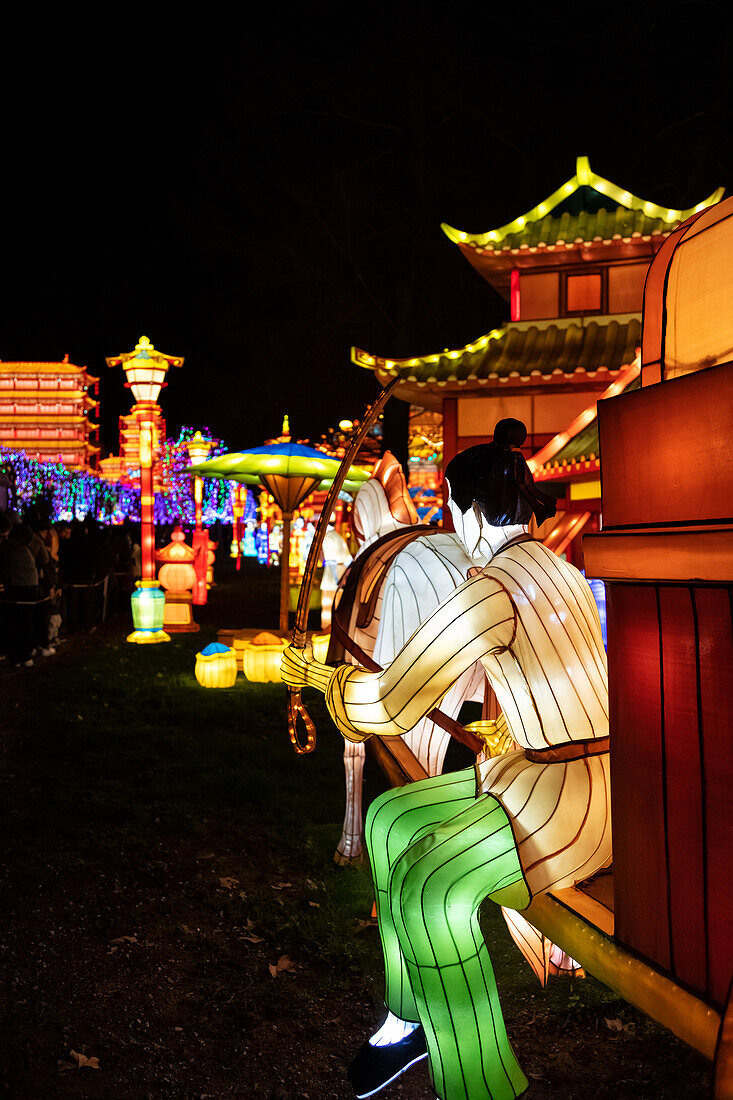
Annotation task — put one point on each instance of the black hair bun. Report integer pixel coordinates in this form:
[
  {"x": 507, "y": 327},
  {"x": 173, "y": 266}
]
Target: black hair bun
[{"x": 510, "y": 432}]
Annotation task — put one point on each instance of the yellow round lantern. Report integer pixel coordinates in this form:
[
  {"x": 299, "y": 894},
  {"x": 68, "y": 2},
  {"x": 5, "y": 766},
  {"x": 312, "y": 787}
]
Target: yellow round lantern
[
  {"x": 216, "y": 666},
  {"x": 262, "y": 656}
]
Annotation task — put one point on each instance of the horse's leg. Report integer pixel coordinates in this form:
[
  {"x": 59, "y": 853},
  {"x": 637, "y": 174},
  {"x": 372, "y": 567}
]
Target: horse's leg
[{"x": 349, "y": 848}]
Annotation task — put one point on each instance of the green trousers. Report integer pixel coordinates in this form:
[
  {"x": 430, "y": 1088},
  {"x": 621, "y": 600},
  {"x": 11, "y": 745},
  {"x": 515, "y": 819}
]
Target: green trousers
[{"x": 436, "y": 853}]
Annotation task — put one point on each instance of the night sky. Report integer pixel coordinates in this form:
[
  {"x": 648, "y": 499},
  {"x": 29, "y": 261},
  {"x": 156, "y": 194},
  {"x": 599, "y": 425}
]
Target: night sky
[{"x": 257, "y": 192}]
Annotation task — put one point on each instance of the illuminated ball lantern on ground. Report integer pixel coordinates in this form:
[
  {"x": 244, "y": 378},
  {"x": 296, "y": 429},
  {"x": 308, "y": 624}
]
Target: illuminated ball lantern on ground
[
  {"x": 198, "y": 451},
  {"x": 216, "y": 666},
  {"x": 177, "y": 576},
  {"x": 146, "y": 368}
]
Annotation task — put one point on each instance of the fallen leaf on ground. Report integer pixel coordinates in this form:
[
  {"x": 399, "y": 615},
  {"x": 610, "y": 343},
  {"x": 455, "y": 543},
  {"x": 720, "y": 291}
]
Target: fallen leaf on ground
[
  {"x": 79, "y": 1061},
  {"x": 119, "y": 940},
  {"x": 228, "y": 882},
  {"x": 281, "y": 885},
  {"x": 363, "y": 925},
  {"x": 283, "y": 963},
  {"x": 252, "y": 939},
  {"x": 315, "y": 904},
  {"x": 614, "y": 1025}
]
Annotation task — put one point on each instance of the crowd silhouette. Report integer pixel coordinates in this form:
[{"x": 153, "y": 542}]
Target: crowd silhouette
[{"x": 59, "y": 579}]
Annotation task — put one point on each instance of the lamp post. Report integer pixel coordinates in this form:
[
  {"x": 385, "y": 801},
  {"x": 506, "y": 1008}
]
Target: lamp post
[
  {"x": 145, "y": 369},
  {"x": 239, "y": 505},
  {"x": 198, "y": 451}
]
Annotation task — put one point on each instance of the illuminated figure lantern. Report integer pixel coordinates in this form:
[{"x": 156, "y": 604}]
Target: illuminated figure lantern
[
  {"x": 262, "y": 543},
  {"x": 519, "y": 824},
  {"x": 248, "y": 544},
  {"x": 216, "y": 666},
  {"x": 375, "y": 616},
  {"x": 177, "y": 576},
  {"x": 401, "y": 575}
]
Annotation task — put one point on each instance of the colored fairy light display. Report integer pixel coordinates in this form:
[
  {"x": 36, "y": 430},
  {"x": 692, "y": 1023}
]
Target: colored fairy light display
[
  {"x": 75, "y": 494},
  {"x": 176, "y": 503},
  {"x": 66, "y": 494}
]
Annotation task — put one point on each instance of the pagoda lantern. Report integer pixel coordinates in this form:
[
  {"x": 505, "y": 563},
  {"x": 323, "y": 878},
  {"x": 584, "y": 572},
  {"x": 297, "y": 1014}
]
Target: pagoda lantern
[
  {"x": 177, "y": 576},
  {"x": 146, "y": 368}
]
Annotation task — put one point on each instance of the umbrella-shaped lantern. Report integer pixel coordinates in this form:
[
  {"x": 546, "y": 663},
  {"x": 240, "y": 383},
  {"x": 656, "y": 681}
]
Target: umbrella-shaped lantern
[{"x": 291, "y": 472}]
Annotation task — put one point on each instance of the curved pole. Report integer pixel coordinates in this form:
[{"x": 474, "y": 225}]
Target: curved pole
[{"x": 295, "y": 705}]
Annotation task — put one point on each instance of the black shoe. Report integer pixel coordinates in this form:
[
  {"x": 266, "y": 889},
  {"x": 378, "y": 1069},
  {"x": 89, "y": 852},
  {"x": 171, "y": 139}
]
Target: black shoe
[{"x": 375, "y": 1067}]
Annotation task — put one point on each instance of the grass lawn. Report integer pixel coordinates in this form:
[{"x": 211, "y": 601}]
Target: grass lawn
[{"x": 165, "y": 849}]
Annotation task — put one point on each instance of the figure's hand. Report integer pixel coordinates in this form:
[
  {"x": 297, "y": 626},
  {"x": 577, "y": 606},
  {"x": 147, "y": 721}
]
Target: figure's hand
[
  {"x": 495, "y": 737},
  {"x": 300, "y": 669},
  {"x": 294, "y": 665}
]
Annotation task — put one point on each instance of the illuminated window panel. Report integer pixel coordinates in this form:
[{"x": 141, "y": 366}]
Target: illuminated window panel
[
  {"x": 538, "y": 296},
  {"x": 626, "y": 288},
  {"x": 584, "y": 293}
]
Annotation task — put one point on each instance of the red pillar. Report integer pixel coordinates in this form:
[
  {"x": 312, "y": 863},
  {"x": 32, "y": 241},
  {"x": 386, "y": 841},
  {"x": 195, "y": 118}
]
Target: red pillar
[{"x": 450, "y": 449}]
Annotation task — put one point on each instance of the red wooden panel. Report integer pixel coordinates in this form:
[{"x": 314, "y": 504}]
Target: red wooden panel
[
  {"x": 683, "y": 788},
  {"x": 666, "y": 451},
  {"x": 637, "y": 789},
  {"x": 716, "y": 677}
]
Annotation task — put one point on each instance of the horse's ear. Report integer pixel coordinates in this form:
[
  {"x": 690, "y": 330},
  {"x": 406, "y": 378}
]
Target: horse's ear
[{"x": 388, "y": 472}]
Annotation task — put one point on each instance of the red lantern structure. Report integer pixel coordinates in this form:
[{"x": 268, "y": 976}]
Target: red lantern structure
[
  {"x": 198, "y": 451},
  {"x": 146, "y": 368}
]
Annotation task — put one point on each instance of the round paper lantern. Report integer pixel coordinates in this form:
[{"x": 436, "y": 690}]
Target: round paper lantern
[
  {"x": 177, "y": 574},
  {"x": 216, "y": 666}
]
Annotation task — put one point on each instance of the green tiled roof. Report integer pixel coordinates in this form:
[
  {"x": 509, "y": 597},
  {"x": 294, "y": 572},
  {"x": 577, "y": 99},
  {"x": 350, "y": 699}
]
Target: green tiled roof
[
  {"x": 522, "y": 350},
  {"x": 585, "y": 208},
  {"x": 603, "y": 225}
]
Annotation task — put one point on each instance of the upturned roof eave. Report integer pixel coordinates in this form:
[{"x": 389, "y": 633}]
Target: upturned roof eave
[
  {"x": 584, "y": 177},
  {"x": 429, "y": 391},
  {"x": 41, "y": 368}
]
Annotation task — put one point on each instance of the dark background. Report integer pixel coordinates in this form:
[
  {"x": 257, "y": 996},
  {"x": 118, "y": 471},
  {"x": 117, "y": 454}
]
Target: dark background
[{"x": 259, "y": 191}]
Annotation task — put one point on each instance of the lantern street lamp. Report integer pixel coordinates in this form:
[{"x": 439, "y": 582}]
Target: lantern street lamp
[
  {"x": 146, "y": 368},
  {"x": 239, "y": 506},
  {"x": 198, "y": 451}
]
